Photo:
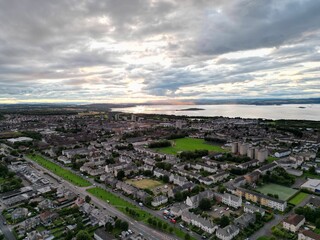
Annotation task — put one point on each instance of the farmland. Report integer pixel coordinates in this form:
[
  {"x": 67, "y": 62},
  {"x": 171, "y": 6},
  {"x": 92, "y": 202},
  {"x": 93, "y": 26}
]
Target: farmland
[{"x": 189, "y": 144}]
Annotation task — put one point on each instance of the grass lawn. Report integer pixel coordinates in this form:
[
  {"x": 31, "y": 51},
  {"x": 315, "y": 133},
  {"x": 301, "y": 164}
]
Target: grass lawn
[
  {"x": 145, "y": 183},
  {"x": 270, "y": 159},
  {"x": 61, "y": 172},
  {"x": 298, "y": 198},
  {"x": 283, "y": 192},
  {"x": 189, "y": 144},
  {"x": 309, "y": 175},
  {"x": 121, "y": 205}
]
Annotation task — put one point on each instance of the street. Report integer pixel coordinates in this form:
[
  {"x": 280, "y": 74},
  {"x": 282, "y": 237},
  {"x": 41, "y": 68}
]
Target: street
[{"x": 136, "y": 226}]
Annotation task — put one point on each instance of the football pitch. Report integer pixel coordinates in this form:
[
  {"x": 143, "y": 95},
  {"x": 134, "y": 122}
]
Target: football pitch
[
  {"x": 283, "y": 192},
  {"x": 189, "y": 144}
]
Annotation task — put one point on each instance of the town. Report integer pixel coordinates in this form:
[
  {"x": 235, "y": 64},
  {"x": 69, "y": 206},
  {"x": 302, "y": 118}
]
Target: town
[{"x": 84, "y": 174}]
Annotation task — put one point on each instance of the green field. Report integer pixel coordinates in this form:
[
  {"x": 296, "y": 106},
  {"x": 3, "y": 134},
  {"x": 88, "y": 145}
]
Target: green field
[
  {"x": 270, "y": 159},
  {"x": 189, "y": 144},
  {"x": 283, "y": 192},
  {"x": 298, "y": 198},
  {"x": 122, "y": 204},
  {"x": 61, "y": 172}
]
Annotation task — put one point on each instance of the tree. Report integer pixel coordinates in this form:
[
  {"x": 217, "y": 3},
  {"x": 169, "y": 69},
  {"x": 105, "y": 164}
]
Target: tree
[
  {"x": 120, "y": 175},
  {"x": 221, "y": 188},
  {"x": 178, "y": 196},
  {"x": 148, "y": 200},
  {"x": 205, "y": 204},
  {"x": 312, "y": 170},
  {"x": 318, "y": 223},
  {"x": 187, "y": 236},
  {"x": 108, "y": 227},
  {"x": 124, "y": 226},
  {"x": 165, "y": 178},
  {"x": 171, "y": 229},
  {"x": 83, "y": 235},
  {"x": 87, "y": 199},
  {"x": 224, "y": 221}
]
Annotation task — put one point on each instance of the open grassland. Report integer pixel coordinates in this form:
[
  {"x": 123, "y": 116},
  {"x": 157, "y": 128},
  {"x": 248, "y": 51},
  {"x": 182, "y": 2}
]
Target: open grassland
[
  {"x": 61, "y": 172},
  {"x": 283, "y": 192},
  {"x": 189, "y": 144},
  {"x": 298, "y": 198},
  {"x": 122, "y": 204},
  {"x": 145, "y": 183}
]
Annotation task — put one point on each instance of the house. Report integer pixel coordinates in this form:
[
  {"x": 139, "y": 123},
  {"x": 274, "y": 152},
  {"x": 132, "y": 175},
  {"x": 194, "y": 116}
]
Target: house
[
  {"x": 261, "y": 199},
  {"x": 252, "y": 177},
  {"x": 185, "y": 187},
  {"x": 229, "y": 199},
  {"x": 19, "y": 213},
  {"x": 30, "y": 223},
  {"x": 220, "y": 176},
  {"x": 159, "y": 200},
  {"x": 308, "y": 235},
  {"x": 282, "y": 153},
  {"x": 293, "y": 222},
  {"x": 178, "y": 208},
  {"x": 101, "y": 234},
  {"x": 141, "y": 195},
  {"x": 160, "y": 173},
  {"x": 249, "y": 208},
  {"x": 46, "y": 204},
  {"x": 206, "y": 180},
  {"x": 194, "y": 201},
  {"x": 126, "y": 188},
  {"x": 177, "y": 180},
  {"x": 198, "y": 221},
  {"x": 251, "y": 163},
  {"x": 48, "y": 217},
  {"x": 244, "y": 220},
  {"x": 228, "y": 232},
  {"x": 205, "y": 167},
  {"x": 314, "y": 202},
  {"x": 268, "y": 167},
  {"x": 64, "y": 160}
]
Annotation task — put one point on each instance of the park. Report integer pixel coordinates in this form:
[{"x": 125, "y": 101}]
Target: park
[{"x": 189, "y": 144}]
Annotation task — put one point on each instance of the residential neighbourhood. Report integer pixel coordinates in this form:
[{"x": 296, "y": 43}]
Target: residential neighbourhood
[{"x": 117, "y": 176}]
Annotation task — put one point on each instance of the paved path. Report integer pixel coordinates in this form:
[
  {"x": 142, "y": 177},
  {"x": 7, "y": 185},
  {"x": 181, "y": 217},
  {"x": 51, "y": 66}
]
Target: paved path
[
  {"x": 266, "y": 229},
  {"x": 5, "y": 229}
]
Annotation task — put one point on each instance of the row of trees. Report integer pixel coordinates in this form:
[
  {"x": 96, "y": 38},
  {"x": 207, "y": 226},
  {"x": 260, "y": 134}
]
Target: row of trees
[
  {"x": 279, "y": 176},
  {"x": 311, "y": 215},
  {"x": 159, "y": 144},
  {"x": 192, "y": 155}
]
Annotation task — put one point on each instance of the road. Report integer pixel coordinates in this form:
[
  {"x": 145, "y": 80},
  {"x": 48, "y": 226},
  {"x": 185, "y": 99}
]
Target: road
[
  {"x": 266, "y": 229},
  {"x": 5, "y": 229},
  {"x": 107, "y": 209},
  {"x": 157, "y": 214}
]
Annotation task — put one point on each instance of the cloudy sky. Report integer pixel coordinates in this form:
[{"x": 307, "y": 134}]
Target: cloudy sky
[{"x": 148, "y": 50}]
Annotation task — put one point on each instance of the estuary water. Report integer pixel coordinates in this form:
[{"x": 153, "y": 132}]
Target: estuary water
[{"x": 285, "y": 111}]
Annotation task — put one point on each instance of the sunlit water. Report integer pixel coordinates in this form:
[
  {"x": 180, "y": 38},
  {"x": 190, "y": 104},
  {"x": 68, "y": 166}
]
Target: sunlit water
[{"x": 287, "y": 111}]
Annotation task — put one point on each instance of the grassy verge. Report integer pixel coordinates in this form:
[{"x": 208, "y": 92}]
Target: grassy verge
[
  {"x": 298, "y": 198},
  {"x": 61, "y": 172},
  {"x": 122, "y": 204},
  {"x": 310, "y": 175},
  {"x": 270, "y": 159}
]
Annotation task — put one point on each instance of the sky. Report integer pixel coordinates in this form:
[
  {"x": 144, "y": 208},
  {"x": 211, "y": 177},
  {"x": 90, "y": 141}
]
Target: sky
[{"x": 136, "y": 51}]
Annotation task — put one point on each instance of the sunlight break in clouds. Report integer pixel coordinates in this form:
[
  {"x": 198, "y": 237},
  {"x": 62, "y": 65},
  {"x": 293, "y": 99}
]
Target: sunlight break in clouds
[{"x": 161, "y": 51}]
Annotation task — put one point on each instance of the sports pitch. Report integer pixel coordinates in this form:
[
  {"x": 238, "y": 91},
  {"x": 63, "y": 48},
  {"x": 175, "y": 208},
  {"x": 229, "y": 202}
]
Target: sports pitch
[
  {"x": 189, "y": 144},
  {"x": 283, "y": 192},
  {"x": 145, "y": 183}
]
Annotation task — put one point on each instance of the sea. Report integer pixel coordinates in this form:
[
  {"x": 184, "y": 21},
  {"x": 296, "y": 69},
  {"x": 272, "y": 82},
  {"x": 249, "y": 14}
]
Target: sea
[{"x": 274, "y": 112}]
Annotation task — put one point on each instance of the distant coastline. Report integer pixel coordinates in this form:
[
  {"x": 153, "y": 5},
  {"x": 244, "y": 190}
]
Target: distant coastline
[{"x": 191, "y": 109}]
